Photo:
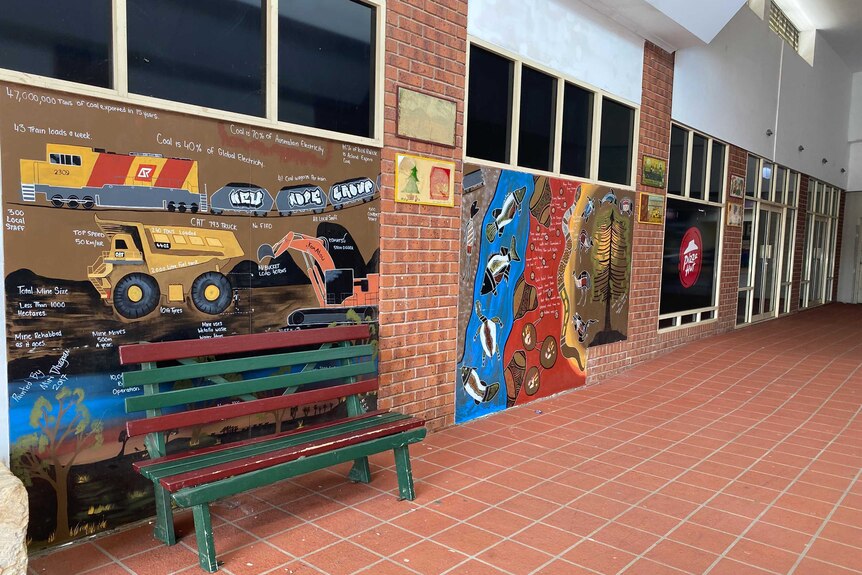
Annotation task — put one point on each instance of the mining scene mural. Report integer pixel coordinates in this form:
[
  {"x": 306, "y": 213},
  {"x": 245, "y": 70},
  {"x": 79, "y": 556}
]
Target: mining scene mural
[{"x": 124, "y": 224}]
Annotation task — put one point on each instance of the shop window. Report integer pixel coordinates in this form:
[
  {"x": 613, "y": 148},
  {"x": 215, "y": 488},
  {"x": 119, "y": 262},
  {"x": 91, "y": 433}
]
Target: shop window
[
  {"x": 716, "y": 172},
  {"x": 697, "y": 185},
  {"x": 326, "y": 72},
  {"x": 781, "y": 25},
  {"x": 577, "y": 131},
  {"x": 537, "y": 120},
  {"x": 204, "y": 53},
  {"x": 67, "y": 42},
  {"x": 676, "y": 175},
  {"x": 489, "y": 113}
]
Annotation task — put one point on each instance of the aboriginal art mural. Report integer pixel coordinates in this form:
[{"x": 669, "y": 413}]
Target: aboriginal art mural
[
  {"x": 125, "y": 224},
  {"x": 545, "y": 275}
]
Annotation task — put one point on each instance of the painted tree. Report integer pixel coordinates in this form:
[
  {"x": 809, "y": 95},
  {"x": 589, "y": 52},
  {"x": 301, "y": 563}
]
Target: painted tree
[
  {"x": 611, "y": 256},
  {"x": 63, "y": 430}
]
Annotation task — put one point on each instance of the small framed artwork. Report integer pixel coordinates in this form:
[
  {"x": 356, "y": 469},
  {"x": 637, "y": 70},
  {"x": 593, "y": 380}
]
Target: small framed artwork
[
  {"x": 651, "y": 208},
  {"x": 737, "y": 186},
  {"x": 426, "y": 181},
  {"x": 734, "y": 215},
  {"x": 425, "y": 117},
  {"x": 654, "y": 171}
]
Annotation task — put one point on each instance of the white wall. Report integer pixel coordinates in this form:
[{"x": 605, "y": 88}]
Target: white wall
[
  {"x": 847, "y": 264},
  {"x": 566, "y": 36},
  {"x": 748, "y": 81},
  {"x": 854, "y": 135}
]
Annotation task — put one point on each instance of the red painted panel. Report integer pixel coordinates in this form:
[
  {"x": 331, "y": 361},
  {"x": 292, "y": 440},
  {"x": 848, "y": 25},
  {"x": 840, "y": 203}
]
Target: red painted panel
[
  {"x": 183, "y": 349},
  {"x": 110, "y": 169},
  {"x": 173, "y": 173},
  {"x": 242, "y": 466},
  {"x": 138, "y": 465},
  {"x": 229, "y": 411}
]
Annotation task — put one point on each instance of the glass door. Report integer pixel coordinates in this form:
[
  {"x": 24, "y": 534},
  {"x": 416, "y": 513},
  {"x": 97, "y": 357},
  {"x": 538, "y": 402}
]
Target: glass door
[
  {"x": 767, "y": 263},
  {"x": 818, "y": 253}
]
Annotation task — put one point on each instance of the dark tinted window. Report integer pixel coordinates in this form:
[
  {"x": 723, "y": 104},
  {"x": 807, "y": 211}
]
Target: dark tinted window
[
  {"x": 536, "y": 128},
  {"x": 206, "y": 53},
  {"x": 676, "y": 169},
  {"x": 615, "y": 149},
  {"x": 489, "y": 113},
  {"x": 577, "y": 131},
  {"x": 326, "y": 65},
  {"x": 716, "y": 172},
  {"x": 698, "y": 167},
  {"x": 751, "y": 176},
  {"x": 68, "y": 41}
]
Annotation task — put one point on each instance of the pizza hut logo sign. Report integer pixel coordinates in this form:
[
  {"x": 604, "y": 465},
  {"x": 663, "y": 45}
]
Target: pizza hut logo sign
[
  {"x": 145, "y": 172},
  {"x": 690, "y": 257}
]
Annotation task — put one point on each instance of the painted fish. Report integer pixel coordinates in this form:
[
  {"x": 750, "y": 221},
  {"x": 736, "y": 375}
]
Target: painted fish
[
  {"x": 480, "y": 391},
  {"x": 588, "y": 209},
  {"x": 504, "y": 216},
  {"x": 609, "y": 198},
  {"x": 582, "y": 326},
  {"x": 498, "y": 268},
  {"x": 488, "y": 330},
  {"x": 471, "y": 229}
]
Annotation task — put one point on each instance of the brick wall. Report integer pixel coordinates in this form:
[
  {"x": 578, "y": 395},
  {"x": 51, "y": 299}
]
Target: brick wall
[
  {"x": 644, "y": 341},
  {"x": 426, "y": 46},
  {"x": 731, "y": 248}
]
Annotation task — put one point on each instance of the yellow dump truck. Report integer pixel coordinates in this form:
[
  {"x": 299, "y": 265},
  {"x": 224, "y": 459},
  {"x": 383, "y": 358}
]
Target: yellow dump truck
[{"x": 147, "y": 265}]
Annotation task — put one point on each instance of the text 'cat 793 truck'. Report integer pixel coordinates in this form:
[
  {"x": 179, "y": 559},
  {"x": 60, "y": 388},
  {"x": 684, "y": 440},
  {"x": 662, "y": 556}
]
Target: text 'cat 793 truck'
[{"x": 146, "y": 263}]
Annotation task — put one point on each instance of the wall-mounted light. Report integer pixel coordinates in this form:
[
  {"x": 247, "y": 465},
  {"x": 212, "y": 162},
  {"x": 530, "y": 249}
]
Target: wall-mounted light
[
  {"x": 769, "y": 132},
  {"x": 843, "y": 171},
  {"x": 824, "y": 161},
  {"x": 801, "y": 147}
]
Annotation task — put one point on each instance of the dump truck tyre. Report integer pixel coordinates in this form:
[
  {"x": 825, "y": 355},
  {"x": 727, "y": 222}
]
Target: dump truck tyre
[
  {"x": 136, "y": 295},
  {"x": 211, "y": 293}
]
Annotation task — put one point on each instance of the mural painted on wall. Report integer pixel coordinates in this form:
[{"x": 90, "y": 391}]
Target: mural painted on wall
[
  {"x": 125, "y": 224},
  {"x": 546, "y": 266}
]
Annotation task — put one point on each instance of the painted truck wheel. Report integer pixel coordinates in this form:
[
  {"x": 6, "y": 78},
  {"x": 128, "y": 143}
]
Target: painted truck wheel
[
  {"x": 211, "y": 293},
  {"x": 136, "y": 295}
]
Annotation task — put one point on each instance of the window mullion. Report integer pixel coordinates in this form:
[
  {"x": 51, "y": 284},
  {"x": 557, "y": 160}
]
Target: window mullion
[
  {"x": 689, "y": 147},
  {"x": 516, "y": 114},
  {"x": 271, "y": 63},
  {"x": 120, "y": 49},
  {"x": 595, "y": 147},
  {"x": 558, "y": 125}
]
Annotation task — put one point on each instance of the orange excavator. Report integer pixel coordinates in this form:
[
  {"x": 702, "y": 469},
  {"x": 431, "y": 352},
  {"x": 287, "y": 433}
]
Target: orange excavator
[{"x": 338, "y": 292}]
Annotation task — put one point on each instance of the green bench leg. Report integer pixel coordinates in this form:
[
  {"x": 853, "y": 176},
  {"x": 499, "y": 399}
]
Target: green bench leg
[
  {"x": 361, "y": 471},
  {"x": 164, "y": 530},
  {"x": 405, "y": 474},
  {"x": 204, "y": 534}
]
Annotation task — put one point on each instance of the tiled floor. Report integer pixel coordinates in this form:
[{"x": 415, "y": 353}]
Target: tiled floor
[{"x": 738, "y": 455}]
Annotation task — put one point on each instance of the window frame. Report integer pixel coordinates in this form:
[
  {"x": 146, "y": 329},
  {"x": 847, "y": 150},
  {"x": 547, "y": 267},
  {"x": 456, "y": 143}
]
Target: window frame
[
  {"x": 599, "y": 96},
  {"x": 120, "y": 90},
  {"x": 688, "y": 318},
  {"x": 827, "y": 210},
  {"x": 788, "y": 206}
]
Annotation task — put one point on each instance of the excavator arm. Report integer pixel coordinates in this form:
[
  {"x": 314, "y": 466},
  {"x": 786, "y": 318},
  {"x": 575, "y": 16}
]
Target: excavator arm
[{"x": 314, "y": 254}]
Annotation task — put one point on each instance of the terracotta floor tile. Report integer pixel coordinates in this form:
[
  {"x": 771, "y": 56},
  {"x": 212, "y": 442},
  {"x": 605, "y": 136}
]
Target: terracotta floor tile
[
  {"x": 342, "y": 558},
  {"x": 648, "y": 567},
  {"x": 303, "y": 540},
  {"x": 787, "y": 539},
  {"x": 457, "y": 506},
  {"x": 701, "y": 537},
  {"x": 488, "y": 492},
  {"x": 423, "y": 522},
  {"x": 128, "y": 542},
  {"x": 838, "y": 553},
  {"x": 598, "y": 557},
  {"x": 254, "y": 559},
  {"x": 113, "y": 569},
  {"x": 160, "y": 560},
  {"x": 475, "y": 567},
  {"x": 515, "y": 558},
  {"x": 731, "y": 567},
  {"x": 386, "y": 507},
  {"x": 809, "y": 566},
  {"x": 467, "y": 538},
  {"x": 668, "y": 505},
  {"x": 626, "y": 538},
  {"x": 385, "y": 539},
  {"x": 680, "y": 556},
  {"x": 561, "y": 567},
  {"x": 762, "y": 556},
  {"x": 515, "y": 480},
  {"x": 546, "y": 538},
  {"x": 385, "y": 567},
  {"x": 530, "y": 506},
  {"x": 77, "y": 558},
  {"x": 268, "y": 522},
  {"x": 428, "y": 558},
  {"x": 647, "y": 520},
  {"x": 226, "y": 538},
  {"x": 574, "y": 521}
]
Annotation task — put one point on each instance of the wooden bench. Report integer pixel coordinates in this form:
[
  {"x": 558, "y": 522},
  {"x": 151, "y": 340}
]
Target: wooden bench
[{"x": 248, "y": 375}]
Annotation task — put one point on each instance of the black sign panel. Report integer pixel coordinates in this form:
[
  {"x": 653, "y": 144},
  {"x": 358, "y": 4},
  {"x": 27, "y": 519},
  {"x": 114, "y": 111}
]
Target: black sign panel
[{"x": 688, "y": 277}]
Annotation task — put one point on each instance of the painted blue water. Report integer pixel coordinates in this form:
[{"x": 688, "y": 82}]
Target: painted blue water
[{"x": 499, "y": 305}]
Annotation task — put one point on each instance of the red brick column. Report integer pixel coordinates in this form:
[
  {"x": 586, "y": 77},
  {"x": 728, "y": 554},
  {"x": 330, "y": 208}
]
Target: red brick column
[
  {"x": 799, "y": 244},
  {"x": 426, "y": 49},
  {"x": 644, "y": 341}
]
